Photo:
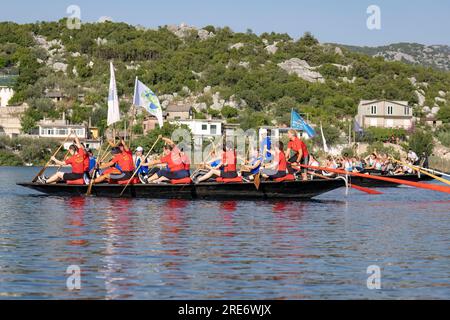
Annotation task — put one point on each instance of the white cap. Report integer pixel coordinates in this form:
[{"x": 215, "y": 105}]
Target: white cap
[{"x": 139, "y": 149}]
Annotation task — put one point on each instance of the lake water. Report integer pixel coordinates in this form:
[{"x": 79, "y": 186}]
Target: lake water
[{"x": 172, "y": 249}]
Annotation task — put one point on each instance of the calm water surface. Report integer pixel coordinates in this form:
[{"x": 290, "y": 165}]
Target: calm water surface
[{"x": 172, "y": 249}]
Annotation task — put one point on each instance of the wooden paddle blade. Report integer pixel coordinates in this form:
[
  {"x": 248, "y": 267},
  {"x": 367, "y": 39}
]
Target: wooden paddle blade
[
  {"x": 257, "y": 180},
  {"x": 366, "y": 190}
]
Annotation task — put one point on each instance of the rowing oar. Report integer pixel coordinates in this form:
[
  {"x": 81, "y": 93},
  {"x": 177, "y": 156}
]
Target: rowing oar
[
  {"x": 435, "y": 171},
  {"x": 97, "y": 161},
  {"x": 140, "y": 165},
  {"x": 49, "y": 161},
  {"x": 423, "y": 171},
  {"x": 427, "y": 186},
  {"x": 354, "y": 186}
]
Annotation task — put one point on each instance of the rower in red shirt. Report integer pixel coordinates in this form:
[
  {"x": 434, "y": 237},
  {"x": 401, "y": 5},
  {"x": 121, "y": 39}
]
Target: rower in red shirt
[
  {"x": 76, "y": 161},
  {"x": 173, "y": 158},
  {"x": 277, "y": 169},
  {"x": 123, "y": 159},
  {"x": 228, "y": 167},
  {"x": 300, "y": 152}
]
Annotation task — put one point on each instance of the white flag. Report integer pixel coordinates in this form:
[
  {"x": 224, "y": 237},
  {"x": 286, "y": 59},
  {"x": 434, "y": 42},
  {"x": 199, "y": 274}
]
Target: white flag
[
  {"x": 145, "y": 98},
  {"x": 113, "y": 100},
  {"x": 325, "y": 147}
]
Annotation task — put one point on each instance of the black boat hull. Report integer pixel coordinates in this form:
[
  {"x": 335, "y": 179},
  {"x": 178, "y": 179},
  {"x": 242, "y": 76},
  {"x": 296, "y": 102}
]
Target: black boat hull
[
  {"x": 372, "y": 183},
  {"x": 295, "y": 190}
]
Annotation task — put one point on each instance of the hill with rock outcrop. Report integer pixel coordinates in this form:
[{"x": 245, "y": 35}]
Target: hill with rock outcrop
[{"x": 244, "y": 78}]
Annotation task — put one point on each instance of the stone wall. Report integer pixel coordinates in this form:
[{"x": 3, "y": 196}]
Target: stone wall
[{"x": 10, "y": 120}]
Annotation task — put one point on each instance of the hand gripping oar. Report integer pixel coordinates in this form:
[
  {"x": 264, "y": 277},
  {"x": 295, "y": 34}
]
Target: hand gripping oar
[
  {"x": 49, "y": 161},
  {"x": 427, "y": 186},
  {"x": 354, "y": 186},
  {"x": 423, "y": 171},
  {"x": 140, "y": 165},
  {"x": 97, "y": 161}
]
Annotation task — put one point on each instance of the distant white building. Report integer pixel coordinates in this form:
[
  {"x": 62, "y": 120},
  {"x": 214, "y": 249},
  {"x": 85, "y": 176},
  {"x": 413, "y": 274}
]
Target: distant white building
[
  {"x": 60, "y": 129},
  {"x": 6, "y": 94}
]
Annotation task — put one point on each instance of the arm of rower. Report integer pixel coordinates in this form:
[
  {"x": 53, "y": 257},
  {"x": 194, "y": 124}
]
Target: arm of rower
[
  {"x": 124, "y": 144},
  {"x": 77, "y": 142},
  {"x": 168, "y": 141},
  {"x": 59, "y": 163},
  {"x": 107, "y": 165},
  {"x": 255, "y": 165}
]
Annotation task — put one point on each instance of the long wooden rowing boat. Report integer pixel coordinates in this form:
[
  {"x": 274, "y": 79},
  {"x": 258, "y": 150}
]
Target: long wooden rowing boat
[
  {"x": 294, "y": 190},
  {"x": 369, "y": 183}
]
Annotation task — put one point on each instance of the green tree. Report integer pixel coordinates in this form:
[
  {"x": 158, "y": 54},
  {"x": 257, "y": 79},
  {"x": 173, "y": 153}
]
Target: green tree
[{"x": 421, "y": 141}]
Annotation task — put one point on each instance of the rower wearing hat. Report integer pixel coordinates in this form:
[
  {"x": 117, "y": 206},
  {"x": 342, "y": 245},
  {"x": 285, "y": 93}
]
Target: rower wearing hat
[{"x": 139, "y": 159}]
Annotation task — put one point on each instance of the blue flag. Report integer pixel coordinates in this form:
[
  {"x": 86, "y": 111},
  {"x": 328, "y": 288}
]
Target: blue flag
[{"x": 298, "y": 123}]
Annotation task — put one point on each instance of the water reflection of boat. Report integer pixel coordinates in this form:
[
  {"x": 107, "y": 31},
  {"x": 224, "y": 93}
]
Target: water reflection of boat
[{"x": 296, "y": 190}]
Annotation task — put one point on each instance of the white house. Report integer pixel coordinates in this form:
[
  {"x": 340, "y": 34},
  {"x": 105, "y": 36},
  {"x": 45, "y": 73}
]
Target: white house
[
  {"x": 6, "y": 94},
  {"x": 385, "y": 113}
]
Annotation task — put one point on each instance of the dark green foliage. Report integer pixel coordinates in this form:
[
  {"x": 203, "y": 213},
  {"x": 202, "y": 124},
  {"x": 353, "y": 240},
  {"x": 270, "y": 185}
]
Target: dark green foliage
[
  {"x": 374, "y": 134},
  {"x": 8, "y": 158},
  {"x": 421, "y": 141}
]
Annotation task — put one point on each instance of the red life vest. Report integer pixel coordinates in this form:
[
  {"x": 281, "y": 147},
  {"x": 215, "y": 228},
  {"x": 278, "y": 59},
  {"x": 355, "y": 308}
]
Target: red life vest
[
  {"x": 282, "y": 163},
  {"x": 86, "y": 161},
  {"x": 125, "y": 161},
  {"x": 229, "y": 157},
  {"x": 173, "y": 160}
]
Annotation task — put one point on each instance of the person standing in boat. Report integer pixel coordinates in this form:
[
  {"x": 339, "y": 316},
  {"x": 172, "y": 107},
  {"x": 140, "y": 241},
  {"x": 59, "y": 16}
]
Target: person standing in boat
[
  {"x": 227, "y": 167},
  {"x": 172, "y": 157},
  {"x": 300, "y": 152},
  {"x": 122, "y": 160},
  {"x": 76, "y": 161},
  {"x": 412, "y": 157},
  {"x": 278, "y": 167}
]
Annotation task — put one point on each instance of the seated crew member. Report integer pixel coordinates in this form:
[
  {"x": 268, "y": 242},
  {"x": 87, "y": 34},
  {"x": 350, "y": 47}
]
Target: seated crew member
[
  {"x": 332, "y": 164},
  {"x": 123, "y": 160},
  {"x": 139, "y": 158},
  {"x": 312, "y": 163},
  {"x": 301, "y": 155},
  {"x": 173, "y": 158},
  {"x": 205, "y": 167},
  {"x": 76, "y": 161},
  {"x": 92, "y": 160},
  {"x": 227, "y": 167},
  {"x": 277, "y": 169},
  {"x": 186, "y": 161},
  {"x": 253, "y": 166}
]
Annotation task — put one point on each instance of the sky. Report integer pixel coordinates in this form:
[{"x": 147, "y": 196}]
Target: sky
[{"x": 339, "y": 21}]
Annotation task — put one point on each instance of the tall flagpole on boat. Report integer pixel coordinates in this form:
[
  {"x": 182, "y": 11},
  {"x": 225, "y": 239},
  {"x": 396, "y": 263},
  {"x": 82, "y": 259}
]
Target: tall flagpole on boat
[{"x": 113, "y": 116}]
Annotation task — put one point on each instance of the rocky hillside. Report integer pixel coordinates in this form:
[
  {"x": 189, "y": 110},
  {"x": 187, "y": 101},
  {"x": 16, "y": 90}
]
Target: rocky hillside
[
  {"x": 244, "y": 78},
  {"x": 435, "y": 56}
]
